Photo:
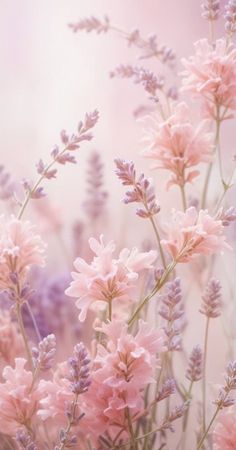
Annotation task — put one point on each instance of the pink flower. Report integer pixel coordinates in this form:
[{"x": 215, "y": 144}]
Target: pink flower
[
  {"x": 18, "y": 404},
  {"x": 11, "y": 343},
  {"x": 211, "y": 74},
  {"x": 122, "y": 369},
  {"x": 107, "y": 279},
  {"x": 177, "y": 146},
  {"x": 20, "y": 248},
  {"x": 224, "y": 434},
  {"x": 56, "y": 396},
  {"x": 193, "y": 233}
]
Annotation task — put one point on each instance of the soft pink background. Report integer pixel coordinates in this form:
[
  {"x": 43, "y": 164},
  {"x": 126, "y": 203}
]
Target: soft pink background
[{"x": 50, "y": 77}]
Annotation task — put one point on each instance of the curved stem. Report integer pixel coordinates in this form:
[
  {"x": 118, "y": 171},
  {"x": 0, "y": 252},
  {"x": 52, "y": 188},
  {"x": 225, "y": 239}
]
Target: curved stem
[
  {"x": 183, "y": 195},
  {"x": 204, "y": 375},
  {"x": 33, "y": 321},
  {"x": 158, "y": 286},
  {"x": 23, "y": 334},
  {"x": 207, "y": 430},
  {"x": 158, "y": 241},
  {"x": 209, "y": 170},
  {"x": 37, "y": 183}
]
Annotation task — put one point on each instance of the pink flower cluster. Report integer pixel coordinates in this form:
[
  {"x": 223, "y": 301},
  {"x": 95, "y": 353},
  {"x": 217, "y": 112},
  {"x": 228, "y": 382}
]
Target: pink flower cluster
[
  {"x": 193, "y": 233},
  {"x": 121, "y": 371},
  {"x": 107, "y": 279},
  {"x": 211, "y": 75},
  {"x": 177, "y": 146},
  {"x": 20, "y": 248}
]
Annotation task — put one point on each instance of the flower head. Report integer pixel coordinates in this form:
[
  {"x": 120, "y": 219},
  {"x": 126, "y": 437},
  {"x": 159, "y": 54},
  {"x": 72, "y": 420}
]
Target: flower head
[
  {"x": 211, "y": 74},
  {"x": 107, "y": 279},
  {"x": 194, "y": 233},
  {"x": 18, "y": 402},
  {"x": 177, "y": 146},
  {"x": 224, "y": 434},
  {"x": 20, "y": 248}
]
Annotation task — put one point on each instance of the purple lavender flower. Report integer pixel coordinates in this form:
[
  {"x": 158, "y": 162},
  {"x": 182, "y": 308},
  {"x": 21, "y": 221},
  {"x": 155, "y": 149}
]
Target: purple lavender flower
[
  {"x": 43, "y": 356},
  {"x": 172, "y": 311},
  {"x": 212, "y": 299},
  {"x": 141, "y": 76},
  {"x": 142, "y": 189},
  {"x": 195, "y": 365},
  {"x": 96, "y": 197},
  {"x": 79, "y": 370},
  {"x": 25, "y": 441},
  {"x": 168, "y": 388},
  {"x": 211, "y": 9},
  {"x": 230, "y": 17},
  {"x": 224, "y": 399}
]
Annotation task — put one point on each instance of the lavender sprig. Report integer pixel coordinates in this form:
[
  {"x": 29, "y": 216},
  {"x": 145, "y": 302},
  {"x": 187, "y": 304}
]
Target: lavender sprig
[
  {"x": 79, "y": 378},
  {"x": 195, "y": 365},
  {"x": 141, "y": 76},
  {"x": 224, "y": 398},
  {"x": 25, "y": 441},
  {"x": 149, "y": 46},
  {"x": 43, "y": 356},
  {"x": 212, "y": 299},
  {"x": 172, "y": 310},
  {"x": 211, "y": 9},
  {"x": 70, "y": 144},
  {"x": 142, "y": 189},
  {"x": 230, "y": 17},
  {"x": 96, "y": 196}
]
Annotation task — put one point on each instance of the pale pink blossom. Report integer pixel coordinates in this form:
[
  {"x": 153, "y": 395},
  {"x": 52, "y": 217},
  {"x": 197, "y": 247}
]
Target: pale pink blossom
[
  {"x": 211, "y": 74},
  {"x": 192, "y": 233},
  {"x": 177, "y": 145},
  {"x": 11, "y": 343},
  {"x": 107, "y": 279},
  {"x": 224, "y": 434},
  {"x": 18, "y": 402},
  {"x": 56, "y": 396},
  {"x": 20, "y": 248},
  {"x": 122, "y": 369}
]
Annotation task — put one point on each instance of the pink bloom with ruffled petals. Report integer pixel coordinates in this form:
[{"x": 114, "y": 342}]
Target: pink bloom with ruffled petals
[
  {"x": 107, "y": 279},
  {"x": 18, "y": 403},
  {"x": 211, "y": 74},
  {"x": 177, "y": 146},
  {"x": 193, "y": 233},
  {"x": 11, "y": 342},
  {"x": 224, "y": 434},
  {"x": 122, "y": 369},
  {"x": 20, "y": 248}
]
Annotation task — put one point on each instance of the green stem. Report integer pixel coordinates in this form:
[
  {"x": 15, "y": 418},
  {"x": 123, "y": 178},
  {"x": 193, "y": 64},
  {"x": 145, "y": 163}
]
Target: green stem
[
  {"x": 208, "y": 428},
  {"x": 158, "y": 241},
  {"x": 158, "y": 286},
  {"x": 70, "y": 422},
  {"x": 183, "y": 195},
  {"x": 23, "y": 334},
  {"x": 209, "y": 170},
  {"x": 204, "y": 374},
  {"x": 110, "y": 310},
  {"x": 36, "y": 185}
]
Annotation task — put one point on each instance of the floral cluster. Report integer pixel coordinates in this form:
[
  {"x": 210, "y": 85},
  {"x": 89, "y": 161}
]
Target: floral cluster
[{"x": 132, "y": 370}]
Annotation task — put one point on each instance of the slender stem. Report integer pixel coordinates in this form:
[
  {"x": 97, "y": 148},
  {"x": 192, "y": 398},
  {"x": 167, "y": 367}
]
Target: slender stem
[
  {"x": 208, "y": 428},
  {"x": 185, "y": 419},
  {"x": 209, "y": 170},
  {"x": 133, "y": 444},
  {"x": 33, "y": 321},
  {"x": 37, "y": 183},
  {"x": 158, "y": 241},
  {"x": 183, "y": 195},
  {"x": 23, "y": 334},
  {"x": 158, "y": 286},
  {"x": 70, "y": 423},
  {"x": 110, "y": 310},
  {"x": 204, "y": 375}
]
